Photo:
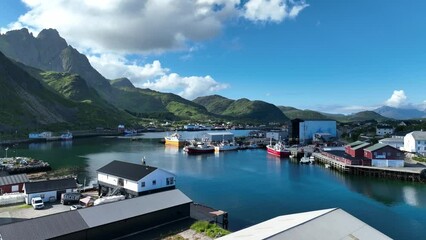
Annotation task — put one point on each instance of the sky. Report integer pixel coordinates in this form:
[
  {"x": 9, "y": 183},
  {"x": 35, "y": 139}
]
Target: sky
[{"x": 328, "y": 55}]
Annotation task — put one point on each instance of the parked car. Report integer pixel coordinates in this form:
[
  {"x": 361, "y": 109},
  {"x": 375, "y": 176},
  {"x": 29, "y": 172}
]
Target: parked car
[
  {"x": 37, "y": 203},
  {"x": 75, "y": 207}
]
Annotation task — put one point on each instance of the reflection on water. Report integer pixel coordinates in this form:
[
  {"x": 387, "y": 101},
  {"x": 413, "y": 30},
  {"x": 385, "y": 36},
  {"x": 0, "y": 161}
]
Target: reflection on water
[{"x": 40, "y": 146}]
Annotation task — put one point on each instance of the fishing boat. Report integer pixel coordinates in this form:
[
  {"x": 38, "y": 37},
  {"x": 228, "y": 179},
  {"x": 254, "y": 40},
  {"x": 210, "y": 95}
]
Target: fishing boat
[
  {"x": 278, "y": 149},
  {"x": 66, "y": 136},
  {"x": 198, "y": 148},
  {"x": 225, "y": 146},
  {"x": 174, "y": 140}
]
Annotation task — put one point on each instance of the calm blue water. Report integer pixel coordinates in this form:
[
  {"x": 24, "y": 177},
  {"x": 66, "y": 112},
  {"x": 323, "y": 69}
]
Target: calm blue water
[{"x": 253, "y": 186}]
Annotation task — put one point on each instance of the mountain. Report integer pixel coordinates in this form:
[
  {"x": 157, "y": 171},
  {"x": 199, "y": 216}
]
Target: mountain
[
  {"x": 293, "y": 113},
  {"x": 27, "y": 103},
  {"x": 400, "y": 113},
  {"x": 365, "y": 116},
  {"x": 23, "y": 47},
  {"x": 242, "y": 109}
]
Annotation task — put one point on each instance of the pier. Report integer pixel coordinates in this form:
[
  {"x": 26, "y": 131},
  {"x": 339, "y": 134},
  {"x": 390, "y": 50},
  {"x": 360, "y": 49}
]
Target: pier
[{"x": 412, "y": 174}]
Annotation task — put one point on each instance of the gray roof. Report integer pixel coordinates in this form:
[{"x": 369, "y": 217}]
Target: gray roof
[
  {"x": 352, "y": 144},
  {"x": 363, "y": 145},
  {"x": 112, "y": 212},
  {"x": 127, "y": 170},
  {"x": 377, "y": 146},
  {"x": 391, "y": 140},
  {"x": 44, "y": 227},
  {"x": 316, "y": 225},
  {"x": 13, "y": 179},
  {"x": 419, "y": 135},
  {"x": 73, "y": 221},
  {"x": 50, "y": 185}
]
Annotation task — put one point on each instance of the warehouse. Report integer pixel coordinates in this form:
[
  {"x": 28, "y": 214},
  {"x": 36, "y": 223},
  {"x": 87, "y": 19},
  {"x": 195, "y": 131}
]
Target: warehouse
[
  {"x": 220, "y": 136},
  {"x": 49, "y": 190},
  {"x": 106, "y": 221}
]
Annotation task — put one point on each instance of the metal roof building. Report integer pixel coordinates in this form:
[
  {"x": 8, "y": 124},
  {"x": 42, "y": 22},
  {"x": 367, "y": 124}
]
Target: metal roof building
[
  {"x": 50, "y": 185},
  {"x": 316, "y": 225},
  {"x": 108, "y": 221},
  {"x": 127, "y": 170},
  {"x": 13, "y": 179}
]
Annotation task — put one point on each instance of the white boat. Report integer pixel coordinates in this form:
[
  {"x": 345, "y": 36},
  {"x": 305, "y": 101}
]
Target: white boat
[
  {"x": 66, "y": 136},
  {"x": 198, "y": 148},
  {"x": 225, "y": 146},
  {"x": 307, "y": 160},
  {"x": 109, "y": 199},
  {"x": 327, "y": 165}
]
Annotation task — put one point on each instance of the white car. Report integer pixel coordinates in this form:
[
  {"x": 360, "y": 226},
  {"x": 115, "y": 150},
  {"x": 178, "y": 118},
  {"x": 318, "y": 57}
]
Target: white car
[
  {"x": 76, "y": 207},
  {"x": 37, "y": 203}
]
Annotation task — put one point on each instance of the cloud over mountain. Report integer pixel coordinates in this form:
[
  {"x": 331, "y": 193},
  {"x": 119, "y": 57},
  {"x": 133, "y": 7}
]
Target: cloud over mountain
[{"x": 397, "y": 99}]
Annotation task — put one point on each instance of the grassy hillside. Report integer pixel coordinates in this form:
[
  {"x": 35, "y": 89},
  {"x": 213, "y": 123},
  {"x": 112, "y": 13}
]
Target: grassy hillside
[
  {"x": 293, "y": 113},
  {"x": 242, "y": 109},
  {"x": 26, "y": 103}
]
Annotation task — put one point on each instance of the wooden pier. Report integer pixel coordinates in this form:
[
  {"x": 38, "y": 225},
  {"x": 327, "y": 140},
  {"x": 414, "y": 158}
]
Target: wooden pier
[{"x": 412, "y": 174}]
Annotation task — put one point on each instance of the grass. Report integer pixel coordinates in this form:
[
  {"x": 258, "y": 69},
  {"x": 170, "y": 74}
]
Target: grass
[
  {"x": 209, "y": 229},
  {"x": 420, "y": 159}
]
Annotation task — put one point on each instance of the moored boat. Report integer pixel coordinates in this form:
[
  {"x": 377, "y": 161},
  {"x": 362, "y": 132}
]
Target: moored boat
[
  {"x": 278, "y": 150},
  {"x": 174, "y": 139},
  {"x": 225, "y": 146},
  {"x": 66, "y": 136},
  {"x": 199, "y": 148}
]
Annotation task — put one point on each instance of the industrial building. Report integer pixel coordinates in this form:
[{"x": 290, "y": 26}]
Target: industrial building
[
  {"x": 220, "y": 136},
  {"x": 49, "y": 190},
  {"x": 277, "y": 135},
  {"x": 13, "y": 183},
  {"x": 382, "y": 155},
  {"x": 316, "y": 225},
  {"x": 303, "y": 131},
  {"x": 106, "y": 221}
]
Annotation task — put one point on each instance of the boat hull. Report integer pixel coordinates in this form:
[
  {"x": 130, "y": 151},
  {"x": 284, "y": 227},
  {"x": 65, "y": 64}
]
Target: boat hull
[
  {"x": 281, "y": 154},
  {"x": 178, "y": 143},
  {"x": 194, "y": 150},
  {"x": 226, "y": 148}
]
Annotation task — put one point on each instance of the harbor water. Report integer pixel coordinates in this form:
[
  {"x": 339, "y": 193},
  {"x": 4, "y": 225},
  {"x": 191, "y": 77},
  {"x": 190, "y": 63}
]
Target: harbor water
[{"x": 251, "y": 185}]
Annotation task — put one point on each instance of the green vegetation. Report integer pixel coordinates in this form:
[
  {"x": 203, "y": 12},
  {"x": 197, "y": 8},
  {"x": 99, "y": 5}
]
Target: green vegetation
[
  {"x": 419, "y": 159},
  {"x": 209, "y": 229},
  {"x": 242, "y": 109},
  {"x": 294, "y": 113}
]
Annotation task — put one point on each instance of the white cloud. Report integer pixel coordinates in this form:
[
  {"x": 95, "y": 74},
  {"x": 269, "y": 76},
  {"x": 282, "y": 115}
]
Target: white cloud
[
  {"x": 342, "y": 109},
  {"x": 272, "y": 10},
  {"x": 397, "y": 99},
  {"x": 149, "y": 26},
  {"x": 154, "y": 76}
]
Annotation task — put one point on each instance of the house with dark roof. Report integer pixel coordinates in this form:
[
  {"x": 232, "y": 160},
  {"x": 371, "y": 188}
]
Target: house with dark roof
[
  {"x": 383, "y": 155},
  {"x": 49, "y": 190},
  {"x": 133, "y": 180},
  {"x": 13, "y": 183},
  {"x": 356, "y": 149}
]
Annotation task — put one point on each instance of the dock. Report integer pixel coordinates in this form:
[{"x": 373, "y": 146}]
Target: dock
[{"x": 412, "y": 174}]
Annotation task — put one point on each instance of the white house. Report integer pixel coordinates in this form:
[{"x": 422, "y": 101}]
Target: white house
[
  {"x": 49, "y": 190},
  {"x": 277, "y": 135},
  {"x": 384, "y": 130},
  {"x": 133, "y": 179},
  {"x": 415, "y": 142},
  {"x": 394, "y": 141},
  {"x": 43, "y": 135}
]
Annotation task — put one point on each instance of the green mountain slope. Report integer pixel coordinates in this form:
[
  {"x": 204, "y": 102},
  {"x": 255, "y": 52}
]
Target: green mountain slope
[
  {"x": 242, "y": 109},
  {"x": 365, "y": 116},
  {"x": 27, "y": 103},
  {"x": 293, "y": 113}
]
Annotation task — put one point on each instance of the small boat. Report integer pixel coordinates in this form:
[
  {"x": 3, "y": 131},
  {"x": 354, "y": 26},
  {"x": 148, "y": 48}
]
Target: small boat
[
  {"x": 327, "y": 165},
  {"x": 278, "y": 150},
  {"x": 174, "y": 139},
  {"x": 225, "y": 146},
  {"x": 199, "y": 148},
  {"x": 66, "y": 136},
  {"x": 307, "y": 160}
]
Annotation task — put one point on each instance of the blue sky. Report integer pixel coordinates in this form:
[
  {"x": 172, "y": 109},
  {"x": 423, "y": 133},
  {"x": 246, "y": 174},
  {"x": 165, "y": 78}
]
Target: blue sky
[{"x": 333, "y": 56}]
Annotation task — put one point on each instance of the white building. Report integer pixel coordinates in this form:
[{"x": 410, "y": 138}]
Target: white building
[
  {"x": 308, "y": 128},
  {"x": 322, "y": 224},
  {"x": 415, "y": 142},
  {"x": 42, "y": 135},
  {"x": 49, "y": 190},
  {"x": 133, "y": 179},
  {"x": 384, "y": 130},
  {"x": 277, "y": 135},
  {"x": 220, "y": 136},
  {"x": 394, "y": 141}
]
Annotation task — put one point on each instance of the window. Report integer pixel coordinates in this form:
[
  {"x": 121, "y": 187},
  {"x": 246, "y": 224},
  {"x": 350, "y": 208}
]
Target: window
[
  {"x": 142, "y": 184},
  {"x": 169, "y": 181},
  {"x": 154, "y": 182},
  {"x": 418, "y": 142}
]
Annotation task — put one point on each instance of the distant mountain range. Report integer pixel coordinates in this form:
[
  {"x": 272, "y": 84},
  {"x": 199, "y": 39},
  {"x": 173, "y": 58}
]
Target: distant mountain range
[
  {"x": 400, "y": 113},
  {"x": 46, "y": 81}
]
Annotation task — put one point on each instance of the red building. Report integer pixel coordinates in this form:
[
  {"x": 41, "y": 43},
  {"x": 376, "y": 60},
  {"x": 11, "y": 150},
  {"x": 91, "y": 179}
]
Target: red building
[
  {"x": 356, "y": 149},
  {"x": 382, "y": 155},
  {"x": 13, "y": 183}
]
